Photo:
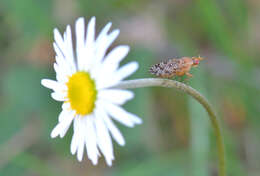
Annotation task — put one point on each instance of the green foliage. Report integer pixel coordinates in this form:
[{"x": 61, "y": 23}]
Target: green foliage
[{"x": 175, "y": 137}]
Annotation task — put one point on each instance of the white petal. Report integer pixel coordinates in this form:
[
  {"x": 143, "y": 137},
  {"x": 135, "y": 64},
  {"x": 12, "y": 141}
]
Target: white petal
[
  {"x": 61, "y": 74},
  {"x": 105, "y": 78},
  {"x": 74, "y": 143},
  {"x": 126, "y": 71},
  {"x": 64, "y": 51},
  {"x": 117, "y": 114},
  {"x": 106, "y": 82},
  {"x": 104, "y": 41},
  {"x": 59, "y": 96},
  {"x": 67, "y": 123},
  {"x": 109, "y": 80},
  {"x": 69, "y": 49},
  {"x": 65, "y": 66},
  {"x": 54, "y": 85},
  {"x": 91, "y": 32},
  {"x": 64, "y": 113},
  {"x": 75, "y": 138},
  {"x": 112, "y": 128},
  {"x": 60, "y": 56},
  {"x": 80, "y": 41},
  {"x": 103, "y": 138},
  {"x": 63, "y": 71},
  {"x": 80, "y": 31},
  {"x": 80, "y": 151},
  {"x": 103, "y": 32},
  {"x": 80, "y": 136},
  {"x": 91, "y": 140},
  {"x": 63, "y": 126},
  {"x": 69, "y": 43},
  {"x": 112, "y": 36},
  {"x": 56, "y": 131},
  {"x": 116, "y": 96},
  {"x": 66, "y": 106},
  {"x": 113, "y": 59},
  {"x": 58, "y": 39},
  {"x": 90, "y": 52}
]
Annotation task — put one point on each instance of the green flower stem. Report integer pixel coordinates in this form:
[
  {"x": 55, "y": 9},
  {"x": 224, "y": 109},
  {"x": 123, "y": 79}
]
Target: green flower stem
[{"x": 149, "y": 82}]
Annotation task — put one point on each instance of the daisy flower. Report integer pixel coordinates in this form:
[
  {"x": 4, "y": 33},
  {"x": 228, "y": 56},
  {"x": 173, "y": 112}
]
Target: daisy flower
[{"x": 85, "y": 78}]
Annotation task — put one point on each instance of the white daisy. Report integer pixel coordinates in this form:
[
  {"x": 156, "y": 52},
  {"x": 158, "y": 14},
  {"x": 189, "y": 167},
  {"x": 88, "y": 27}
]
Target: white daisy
[{"x": 84, "y": 81}]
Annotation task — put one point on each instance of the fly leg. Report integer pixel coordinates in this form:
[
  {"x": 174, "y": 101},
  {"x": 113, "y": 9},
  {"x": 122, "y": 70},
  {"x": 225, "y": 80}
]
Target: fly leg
[{"x": 188, "y": 74}]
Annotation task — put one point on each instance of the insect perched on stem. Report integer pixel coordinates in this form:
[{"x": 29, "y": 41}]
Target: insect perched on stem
[{"x": 175, "y": 67}]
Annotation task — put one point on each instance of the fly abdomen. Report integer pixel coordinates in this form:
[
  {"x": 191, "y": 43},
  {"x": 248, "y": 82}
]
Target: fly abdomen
[
  {"x": 157, "y": 69},
  {"x": 163, "y": 69}
]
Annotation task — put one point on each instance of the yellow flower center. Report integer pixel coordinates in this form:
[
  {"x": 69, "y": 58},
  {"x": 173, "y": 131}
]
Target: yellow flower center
[{"x": 82, "y": 93}]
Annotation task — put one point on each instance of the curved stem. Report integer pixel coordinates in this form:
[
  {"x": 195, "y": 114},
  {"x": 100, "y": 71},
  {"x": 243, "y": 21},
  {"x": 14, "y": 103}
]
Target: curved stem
[{"x": 148, "y": 82}]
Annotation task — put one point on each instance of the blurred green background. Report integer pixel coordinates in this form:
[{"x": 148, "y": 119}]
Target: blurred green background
[{"x": 176, "y": 138}]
